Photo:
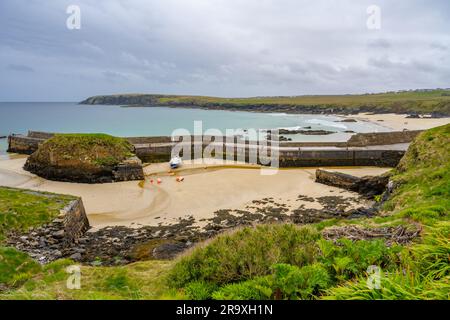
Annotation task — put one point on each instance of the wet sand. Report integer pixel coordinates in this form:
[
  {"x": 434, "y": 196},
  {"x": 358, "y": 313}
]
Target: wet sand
[
  {"x": 399, "y": 122},
  {"x": 205, "y": 189}
]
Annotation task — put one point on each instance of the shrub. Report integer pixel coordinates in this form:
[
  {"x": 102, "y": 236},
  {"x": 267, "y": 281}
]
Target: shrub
[
  {"x": 247, "y": 253},
  {"x": 259, "y": 288},
  {"x": 423, "y": 273},
  {"x": 286, "y": 282},
  {"x": 291, "y": 282},
  {"x": 199, "y": 290},
  {"x": 347, "y": 259}
]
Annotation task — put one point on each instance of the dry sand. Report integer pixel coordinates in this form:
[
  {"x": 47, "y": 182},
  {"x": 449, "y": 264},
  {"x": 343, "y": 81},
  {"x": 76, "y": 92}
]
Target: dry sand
[
  {"x": 398, "y": 122},
  {"x": 205, "y": 189}
]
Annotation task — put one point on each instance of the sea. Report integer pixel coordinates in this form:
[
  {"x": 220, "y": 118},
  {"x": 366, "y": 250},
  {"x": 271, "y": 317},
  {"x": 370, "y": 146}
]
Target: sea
[{"x": 71, "y": 117}]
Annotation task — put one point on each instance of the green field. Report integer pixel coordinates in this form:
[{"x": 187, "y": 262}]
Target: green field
[{"x": 398, "y": 102}]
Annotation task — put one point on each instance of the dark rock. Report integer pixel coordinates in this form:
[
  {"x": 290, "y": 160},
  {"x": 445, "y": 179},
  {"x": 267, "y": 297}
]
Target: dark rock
[
  {"x": 305, "y": 132},
  {"x": 436, "y": 114},
  {"x": 168, "y": 250},
  {"x": 371, "y": 186},
  {"x": 57, "y": 253},
  {"x": 76, "y": 256},
  {"x": 347, "y": 120},
  {"x": 58, "y": 234},
  {"x": 368, "y": 186}
]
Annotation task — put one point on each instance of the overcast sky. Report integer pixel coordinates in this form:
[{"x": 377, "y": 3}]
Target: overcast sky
[{"x": 220, "y": 47}]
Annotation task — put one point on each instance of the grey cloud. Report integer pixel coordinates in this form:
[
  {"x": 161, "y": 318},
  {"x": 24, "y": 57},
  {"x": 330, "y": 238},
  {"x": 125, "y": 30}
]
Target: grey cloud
[
  {"x": 221, "y": 47},
  {"x": 379, "y": 43},
  {"x": 20, "y": 68},
  {"x": 114, "y": 76}
]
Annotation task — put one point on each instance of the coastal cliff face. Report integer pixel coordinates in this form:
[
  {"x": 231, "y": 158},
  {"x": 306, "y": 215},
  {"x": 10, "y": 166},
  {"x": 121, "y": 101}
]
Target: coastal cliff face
[
  {"x": 436, "y": 102},
  {"x": 86, "y": 158},
  {"x": 125, "y": 99}
]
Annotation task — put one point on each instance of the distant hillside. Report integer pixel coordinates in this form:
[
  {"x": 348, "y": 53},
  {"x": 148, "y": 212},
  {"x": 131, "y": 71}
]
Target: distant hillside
[{"x": 418, "y": 101}]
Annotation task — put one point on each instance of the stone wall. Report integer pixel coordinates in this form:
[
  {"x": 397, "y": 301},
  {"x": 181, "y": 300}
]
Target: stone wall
[
  {"x": 57, "y": 239},
  {"x": 40, "y": 134},
  {"x": 382, "y": 138},
  {"x": 74, "y": 220},
  {"x": 22, "y": 144},
  {"x": 158, "y": 149},
  {"x": 130, "y": 169},
  {"x": 142, "y": 140},
  {"x": 314, "y": 158}
]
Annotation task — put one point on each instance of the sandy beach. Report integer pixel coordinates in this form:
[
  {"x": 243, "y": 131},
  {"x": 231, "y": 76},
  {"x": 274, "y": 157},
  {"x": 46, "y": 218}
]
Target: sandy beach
[
  {"x": 205, "y": 189},
  {"x": 399, "y": 122}
]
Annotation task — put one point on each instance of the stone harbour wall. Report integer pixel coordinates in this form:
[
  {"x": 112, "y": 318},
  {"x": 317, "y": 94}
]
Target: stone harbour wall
[
  {"x": 382, "y": 138},
  {"x": 74, "y": 220},
  {"x": 40, "y": 134},
  {"x": 22, "y": 144},
  {"x": 57, "y": 239},
  {"x": 158, "y": 149},
  {"x": 130, "y": 169}
]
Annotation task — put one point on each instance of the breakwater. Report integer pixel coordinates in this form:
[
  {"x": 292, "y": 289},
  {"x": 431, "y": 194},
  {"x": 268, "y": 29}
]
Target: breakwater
[{"x": 362, "y": 149}]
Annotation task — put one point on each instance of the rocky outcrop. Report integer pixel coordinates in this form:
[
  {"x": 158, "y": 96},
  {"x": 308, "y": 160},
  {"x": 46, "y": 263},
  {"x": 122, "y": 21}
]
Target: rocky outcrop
[
  {"x": 368, "y": 186},
  {"x": 305, "y": 132},
  {"x": 347, "y": 120},
  {"x": 85, "y": 159}
]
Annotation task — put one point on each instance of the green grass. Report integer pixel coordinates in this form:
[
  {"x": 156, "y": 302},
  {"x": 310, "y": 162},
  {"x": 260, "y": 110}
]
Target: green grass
[
  {"x": 21, "y": 209},
  {"x": 142, "y": 280},
  {"x": 423, "y": 176},
  {"x": 16, "y": 267},
  {"x": 247, "y": 253}
]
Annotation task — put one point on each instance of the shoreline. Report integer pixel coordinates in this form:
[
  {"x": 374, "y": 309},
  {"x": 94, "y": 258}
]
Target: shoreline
[
  {"x": 399, "y": 122},
  {"x": 205, "y": 190}
]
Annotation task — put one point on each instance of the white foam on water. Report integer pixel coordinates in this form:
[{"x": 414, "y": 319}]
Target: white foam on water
[
  {"x": 291, "y": 128},
  {"x": 327, "y": 123}
]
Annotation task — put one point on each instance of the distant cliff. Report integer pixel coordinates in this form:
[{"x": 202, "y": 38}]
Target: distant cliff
[
  {"x": 125, "y": 99},
  {"x": 436, "y": 102}
]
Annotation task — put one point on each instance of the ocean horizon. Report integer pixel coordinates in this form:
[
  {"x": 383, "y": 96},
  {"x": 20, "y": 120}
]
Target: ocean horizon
[{"x": 71, "y": 117}]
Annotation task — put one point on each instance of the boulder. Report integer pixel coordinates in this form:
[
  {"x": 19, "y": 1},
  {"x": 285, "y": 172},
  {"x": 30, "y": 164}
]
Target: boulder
[
  {"x": 168, "y": 250},
  {"x": 368, "y": 186}
]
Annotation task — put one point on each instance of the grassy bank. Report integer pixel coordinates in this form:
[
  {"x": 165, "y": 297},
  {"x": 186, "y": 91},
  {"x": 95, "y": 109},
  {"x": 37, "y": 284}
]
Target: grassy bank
[
  {"x": 284, "y": 261},
  {"x": 19, "y": 210}
]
